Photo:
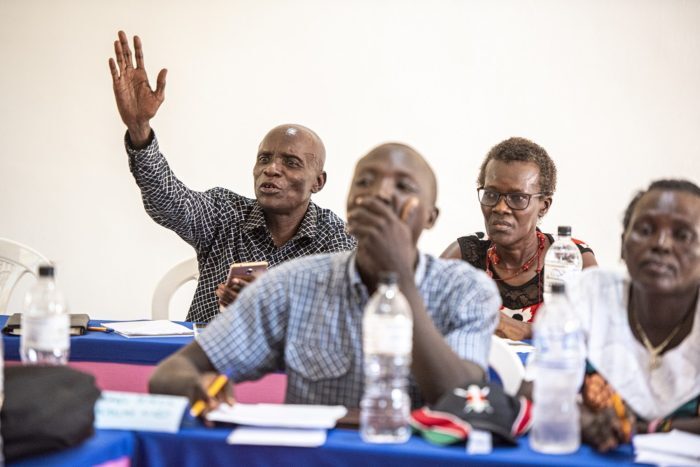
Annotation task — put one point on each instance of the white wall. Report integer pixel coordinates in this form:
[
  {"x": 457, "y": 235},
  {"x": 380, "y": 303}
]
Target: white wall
[{"x": 609, "y": 88}]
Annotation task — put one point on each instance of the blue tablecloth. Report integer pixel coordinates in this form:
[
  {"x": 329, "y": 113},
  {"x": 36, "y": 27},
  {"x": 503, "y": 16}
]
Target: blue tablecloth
[
  {"x": 202, "y": 446},
  {"x": 109, "y": 347},
  {"x": 104, "y": 446}
]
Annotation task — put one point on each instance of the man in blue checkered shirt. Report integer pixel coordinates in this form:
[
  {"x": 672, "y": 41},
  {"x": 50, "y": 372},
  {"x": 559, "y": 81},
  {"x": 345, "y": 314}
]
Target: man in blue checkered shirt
[
  {"x": 223, "y": 227},
  {"x": 305, "y": 316}
]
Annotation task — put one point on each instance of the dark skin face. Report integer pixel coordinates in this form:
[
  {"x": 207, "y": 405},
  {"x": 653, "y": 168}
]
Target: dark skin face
[
  {"x": 661, "y": 245},
  {"x": 392, "y": 175},
  {"x": 506, "y": 226},
  {"x": 288, "y": 169}
]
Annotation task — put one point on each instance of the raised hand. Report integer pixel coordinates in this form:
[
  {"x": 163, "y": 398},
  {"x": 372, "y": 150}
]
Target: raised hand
[{"x": 136, "y": 101}]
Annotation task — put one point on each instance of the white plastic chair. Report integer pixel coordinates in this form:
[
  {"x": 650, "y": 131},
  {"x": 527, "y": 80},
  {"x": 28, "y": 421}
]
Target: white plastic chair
[
  {"x": 506, "y": 363},
  {"x": 16, "y": 260},
  {"x": 181, "y": 273}
]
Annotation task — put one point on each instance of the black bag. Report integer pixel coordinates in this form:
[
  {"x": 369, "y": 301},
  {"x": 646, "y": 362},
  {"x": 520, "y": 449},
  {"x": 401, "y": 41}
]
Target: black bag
[
  {"x": 78, "y": 324},
  {"x": 46, "y": 408}
]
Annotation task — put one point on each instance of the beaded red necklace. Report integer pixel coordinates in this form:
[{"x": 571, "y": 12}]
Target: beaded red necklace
[{"x": 492, "y": 257}]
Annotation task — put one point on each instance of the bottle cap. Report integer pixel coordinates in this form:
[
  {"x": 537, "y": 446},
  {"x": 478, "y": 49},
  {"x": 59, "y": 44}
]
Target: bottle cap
[
  {"x": 388, "y": 277},
  {"x": 558, "y": 288},
  {"x": 564, "y": 230},
  {"x": 46, "y": 270}
]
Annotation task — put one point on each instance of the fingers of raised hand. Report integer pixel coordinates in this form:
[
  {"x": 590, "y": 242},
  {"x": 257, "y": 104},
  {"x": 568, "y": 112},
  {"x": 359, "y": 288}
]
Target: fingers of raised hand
[
  {"x": 138, "y": 52},
  {"x": 160, "y": 83},
  {"x": 114, "y": 70},
  {"x": 119, "y": 56},
  {"x": 125, "y": 50}
]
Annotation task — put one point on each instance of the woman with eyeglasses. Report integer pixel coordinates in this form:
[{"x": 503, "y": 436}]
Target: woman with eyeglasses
[
  {"x": 642, "y": 328},
  {"x": 516, "y": 182}
]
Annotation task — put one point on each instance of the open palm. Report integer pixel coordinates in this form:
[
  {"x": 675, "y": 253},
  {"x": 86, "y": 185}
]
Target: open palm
[{"x": 136, "y": 101}]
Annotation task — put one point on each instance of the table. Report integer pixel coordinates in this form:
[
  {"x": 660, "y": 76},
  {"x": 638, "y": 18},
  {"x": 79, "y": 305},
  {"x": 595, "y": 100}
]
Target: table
[
  {"x": 196, "y": 445},
  {"x": 104, "y": 448},
  {"x": 126, "y": 364}
]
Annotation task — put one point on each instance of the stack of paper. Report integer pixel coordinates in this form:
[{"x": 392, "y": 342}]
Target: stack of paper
[
  {"x": 673, "y": 448},
  {"x": 278, "y": 424},
  {"x": 146, "y": 328}
]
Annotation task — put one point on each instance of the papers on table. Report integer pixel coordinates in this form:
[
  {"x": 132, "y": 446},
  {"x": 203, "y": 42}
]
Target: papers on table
[
  {"x": 143, "y": 412},
  {"x": 146, "y": 328},
  {"x": 278, "y": 424},
  {"x": 279, "y": 415},
  {"x": 300, "y": 437},
  {"x": 673, "y": 448}
]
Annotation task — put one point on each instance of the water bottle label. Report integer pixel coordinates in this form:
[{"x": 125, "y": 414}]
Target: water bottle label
[
  {"x": 387, "y": 335},
  {"x": 46, "y": 333}
]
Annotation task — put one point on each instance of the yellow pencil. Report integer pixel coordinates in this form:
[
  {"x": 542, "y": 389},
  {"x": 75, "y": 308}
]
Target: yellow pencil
[{"x": 212, "y": 391}]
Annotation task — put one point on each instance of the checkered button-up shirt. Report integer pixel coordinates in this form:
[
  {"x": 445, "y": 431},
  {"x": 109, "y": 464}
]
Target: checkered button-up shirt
[
  {"x": 224, "y": 227},
  {"x": 305, "y": 318}
]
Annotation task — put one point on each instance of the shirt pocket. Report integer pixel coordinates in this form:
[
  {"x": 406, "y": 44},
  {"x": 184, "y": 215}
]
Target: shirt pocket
[{"x": 317, "y": 361}]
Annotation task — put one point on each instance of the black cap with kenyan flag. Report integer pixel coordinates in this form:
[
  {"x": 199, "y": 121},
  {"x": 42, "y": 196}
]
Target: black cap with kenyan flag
[{"x": 479, "y": 406}]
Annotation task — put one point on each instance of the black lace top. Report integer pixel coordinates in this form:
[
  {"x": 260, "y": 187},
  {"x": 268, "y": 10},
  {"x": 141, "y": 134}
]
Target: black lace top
[{"x": 519, "y": 301}]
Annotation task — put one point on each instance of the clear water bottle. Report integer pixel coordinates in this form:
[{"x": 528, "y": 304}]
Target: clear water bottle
[
  {"x": 387, "y": 330},
  {"x": 563, "y": 260},
  {"x": 559, "y": 364},
  {"x": 45, "y": 338}
]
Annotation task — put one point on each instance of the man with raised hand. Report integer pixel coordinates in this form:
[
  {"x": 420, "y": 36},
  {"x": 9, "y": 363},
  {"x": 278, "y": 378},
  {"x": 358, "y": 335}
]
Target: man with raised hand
[
  {"x": 223, "y": 227},
  {"x": 305, "y": 316}
]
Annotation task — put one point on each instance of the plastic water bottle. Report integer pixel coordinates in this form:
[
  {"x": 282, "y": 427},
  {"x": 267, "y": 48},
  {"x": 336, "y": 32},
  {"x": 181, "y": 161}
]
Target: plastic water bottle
[
  {"x": 559, "y": 364},
  {"x": 45, "y": 338},
  {"x": 387, "y": 329},
  {"x": 563, "y": 260}
]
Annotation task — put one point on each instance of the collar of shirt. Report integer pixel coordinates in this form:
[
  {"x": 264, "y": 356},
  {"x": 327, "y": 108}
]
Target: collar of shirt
[
  {"x": 307, "y": 228},
  {"x": 359, "y": 289}
]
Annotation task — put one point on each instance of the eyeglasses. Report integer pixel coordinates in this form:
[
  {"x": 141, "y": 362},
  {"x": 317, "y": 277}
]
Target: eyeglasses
[{"x": 516, "y": 201}]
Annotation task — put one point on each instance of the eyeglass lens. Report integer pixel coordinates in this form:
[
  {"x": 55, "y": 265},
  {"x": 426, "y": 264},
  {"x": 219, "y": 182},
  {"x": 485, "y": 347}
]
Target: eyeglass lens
[{"x": 513, "y": 200}]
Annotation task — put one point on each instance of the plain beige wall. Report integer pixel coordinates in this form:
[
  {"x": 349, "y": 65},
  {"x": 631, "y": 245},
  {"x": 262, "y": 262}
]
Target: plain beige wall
[{"x": 609, "y": 88}]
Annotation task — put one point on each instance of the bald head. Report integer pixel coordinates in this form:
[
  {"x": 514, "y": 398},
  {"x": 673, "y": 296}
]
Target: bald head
[
  {"x": 399, "y": 176},
  {"x": 308, "y": 140}
]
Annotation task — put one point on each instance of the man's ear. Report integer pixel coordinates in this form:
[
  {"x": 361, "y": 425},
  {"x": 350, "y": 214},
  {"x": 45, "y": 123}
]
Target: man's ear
[
  {"x": 320, "y": 182},
  {"x": 432, "y": 218},
  {"x": 545, "y": 206}
]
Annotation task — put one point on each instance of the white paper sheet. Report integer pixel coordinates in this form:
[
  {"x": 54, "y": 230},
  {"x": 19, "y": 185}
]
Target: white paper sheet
[
  {"x": 673, "y": 448},
  {"x": 144, "y": 412},
  {"x": 309, "y": 438},
  {"x": 279, "y": 415},
  {"x": 657, "y": 458},
  {"x": 148, "y": 328}
]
